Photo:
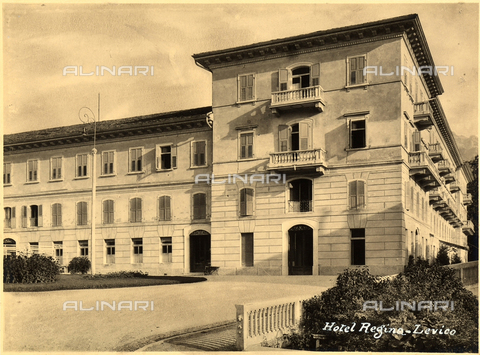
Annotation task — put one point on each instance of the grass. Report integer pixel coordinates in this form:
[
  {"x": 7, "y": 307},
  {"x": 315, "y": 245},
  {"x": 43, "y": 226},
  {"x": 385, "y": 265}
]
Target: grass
[{"x": 78, "y": 282}]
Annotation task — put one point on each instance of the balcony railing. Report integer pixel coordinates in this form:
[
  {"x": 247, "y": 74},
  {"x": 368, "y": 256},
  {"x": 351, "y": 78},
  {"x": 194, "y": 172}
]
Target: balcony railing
[
  {"x": 300, "y": 206},
  {"x": 468, "y": 227},
  {"x": 297, "y": 158},
  {"x": 424, "y": 170},
  {"x": 435, "y": 151},
  {"x": 444, "y": 167},
  {"x": 436, "y": 196},
  {"x": 454, "y": 187},
  {"x": 467, "y": 199},
  {"x": 423, "y": 115},
  {"x": 311, "y": 96}
]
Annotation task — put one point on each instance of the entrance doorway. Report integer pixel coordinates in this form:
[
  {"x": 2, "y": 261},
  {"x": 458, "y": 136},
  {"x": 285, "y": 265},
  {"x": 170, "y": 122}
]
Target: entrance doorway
[
  {"x": 300, "y": 250},
  {"x": 199, "y": 251}
]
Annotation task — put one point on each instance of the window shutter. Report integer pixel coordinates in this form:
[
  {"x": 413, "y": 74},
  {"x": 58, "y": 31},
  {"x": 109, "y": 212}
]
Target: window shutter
[
  {"x": 59, "y": 214},
  {"x": 243, "y": 207},
  {"x": 249, "y": 202},
  {"x": 138, "y": 214},
  {"x": 315, "y": 71},
  {"x": 283, "y": 79},
  {"x": 168, "y": 215},
  {"x": 363, "y": 66},
  {"x": 105, "y": 212},
  {"x": 54, "y": 215},
  {"x": 132, "y": 210},
  {"x": 353, "y": 194},
  {"x": 24, "y": 216},
  {"x": 416, "y": 141},
  {"x": 40, "y": 216},
  {"x": 174, "y": 156},
  {"x": 251, "y": 87},
  {"x": 348, "y": 71},
  {"x": 304, "y": 135},
  {"x": 360, "y": 193},
  {"x": 283, "y": 138},
  {"x": 13, "y": 220}
]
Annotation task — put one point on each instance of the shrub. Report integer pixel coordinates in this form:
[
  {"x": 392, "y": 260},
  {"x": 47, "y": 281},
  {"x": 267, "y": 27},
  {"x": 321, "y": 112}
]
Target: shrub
[
  {"x": 35, "y": 268},
  {"x": 118, "y": 275},
  {"x": 442, "y": 256},
  {"x": 343, "y": 304},
  {"x": 79, "y": 264},
  {"x": 456, "y": 259}
]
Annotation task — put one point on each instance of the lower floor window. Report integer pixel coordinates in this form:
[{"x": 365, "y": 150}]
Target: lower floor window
[
  {"x": 166, "y": 250},
  {"x": 83, "y": 245},
  {"x": 247, "y": 249},
  {"x": 357, "y": 246},
  {"x": 137, "y": 250},
  {"x": 58, "y": 246},
  {"x": 34, "y": 247},
  {"x": 110, "y": 251}
]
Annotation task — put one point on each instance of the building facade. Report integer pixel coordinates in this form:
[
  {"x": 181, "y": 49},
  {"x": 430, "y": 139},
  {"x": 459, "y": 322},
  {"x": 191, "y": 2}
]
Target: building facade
[{"x": 320, "y": 152}]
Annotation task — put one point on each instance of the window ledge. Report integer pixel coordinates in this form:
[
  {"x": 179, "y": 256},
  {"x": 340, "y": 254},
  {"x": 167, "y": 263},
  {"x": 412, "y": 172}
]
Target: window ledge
[
  {"x": 5, "y": 185},
  {"x": 238, "y": 103},
  {"x": 199, "y": 167},
  {"x": 32, "y": 182},
  {"x": 81, "y": 177},
  {"x": 107, "y": 175},
  {"x": 247, "y": 159},
  {"x": 364, "y": 85},
  {"x": 356, "y": 149},
  {"x": 55, "y": 180},
  {"x": 135, "y": 172},
  {"x": 164, "y": 170}
]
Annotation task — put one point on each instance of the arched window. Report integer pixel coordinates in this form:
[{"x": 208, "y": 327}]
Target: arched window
[{"x": 246, "y": 202}]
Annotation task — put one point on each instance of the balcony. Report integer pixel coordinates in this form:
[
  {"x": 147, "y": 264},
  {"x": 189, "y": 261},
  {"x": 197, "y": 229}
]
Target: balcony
[
  {"x": 454, "y": 187},
  {"x": 436, "y": 197},
  {"x": 305, "y": 97},
  {"x": 300, "y": 206},
  {"x": 423, "y": 115},
  {"x": 312, "y": 158},
  {"x": 435, "y": 151},
  {"x": 423, "y": 170},
  {"x": 467, "y": 199},
  {"x": 468, "y": 228},
  {"x": 449, "y": 178},
  {"x": 444, "y": 167}
]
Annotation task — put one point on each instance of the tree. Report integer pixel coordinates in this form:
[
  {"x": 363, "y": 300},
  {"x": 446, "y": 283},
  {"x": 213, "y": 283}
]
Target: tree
[
  {"x": 442, "y": 256},
  {"x": 456, "y": 259},
  {"x": 472, "y": 210}
]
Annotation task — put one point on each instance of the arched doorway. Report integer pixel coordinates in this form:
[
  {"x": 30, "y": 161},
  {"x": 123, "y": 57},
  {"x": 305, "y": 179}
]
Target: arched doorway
[
  {"x": 300, "y": 250},
  {"x": 9, "y": 247},
  {"x": 200, "y": 256}
]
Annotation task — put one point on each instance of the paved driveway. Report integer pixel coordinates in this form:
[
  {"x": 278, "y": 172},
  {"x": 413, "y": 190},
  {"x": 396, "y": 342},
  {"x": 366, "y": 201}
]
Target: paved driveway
[{"x": 37, "y": 322}]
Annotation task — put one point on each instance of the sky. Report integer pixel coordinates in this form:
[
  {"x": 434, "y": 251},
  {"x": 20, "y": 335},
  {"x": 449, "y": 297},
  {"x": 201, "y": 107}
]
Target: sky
[{"x": 40, "y": 40}]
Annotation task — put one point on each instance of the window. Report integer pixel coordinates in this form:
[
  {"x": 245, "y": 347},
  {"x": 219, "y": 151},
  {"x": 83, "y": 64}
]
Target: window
[
  {"x": 247, "y": 249},
  {"x": 166, "y": 249},
  {"x": 33, "y": 246},
  {"x": 109, "y": 251},
  {"x": 108, "y": 212},
  {"x": 137, "y": 250},
  {"x": 199, "y": 153},
  {"x": 357, "y": 246},
  {"x": 416, "y": 141},
  {"x": 246, "y": 87},
  {"x": 56, "y": 215},
  {"x": 7, "y": 173},
  {"x": 56, "y": 168},
  {"x": 355, "y": 70},
  {"x": 36, "y": 219},
  {"x": 246, "y": 202},
  {"x": 9, "y": 221},
  {"x": 58, "y": 247},
  {"x": 82, "y": 162},
  {"x": 357, "y": 194},
  {"x": 298, "y": 78},
  {"x": 135, "y": 159},
  {"x": 357, "y": 134},
  {"x": 199, "y": 206},
  {"x": 135, "y": 210},
  {"x": 300, "y": 196},
  {"x": 164, "y": 209},
  {"x": 83, "y": 247},
  {"x": 108, "y": 163},
  {"x": 246, "y": 145},
  {"x": 82, "y": 215},
  {"x": 32, "y": 170},
  {"x": 295, "y": 137},
  {"x": 166, "y": 157}
]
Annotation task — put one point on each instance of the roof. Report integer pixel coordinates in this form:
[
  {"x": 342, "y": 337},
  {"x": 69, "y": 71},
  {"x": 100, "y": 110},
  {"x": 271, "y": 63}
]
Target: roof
[
  {"x": 138, "y": 125},
  {"x": 408, "y": 25}
]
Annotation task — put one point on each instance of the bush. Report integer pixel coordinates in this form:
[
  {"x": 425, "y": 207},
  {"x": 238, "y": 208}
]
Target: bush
[
  {"x": 118, "y": 275},
  {"x": 35, "y": 268},
  {"x": 456, "y": 259},
  {"x": 79, "y": 264},
  {"x": 442, "y": 256},
  {"x": 343, "y": 304}
]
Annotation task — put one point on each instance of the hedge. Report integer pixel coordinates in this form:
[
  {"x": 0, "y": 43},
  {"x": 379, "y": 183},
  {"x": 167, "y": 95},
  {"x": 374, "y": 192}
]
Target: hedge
[{"x": 33, "y": 268}]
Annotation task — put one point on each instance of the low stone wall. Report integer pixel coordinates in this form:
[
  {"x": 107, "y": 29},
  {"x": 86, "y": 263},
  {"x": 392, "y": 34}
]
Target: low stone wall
[{"x": 467, "y": 272}]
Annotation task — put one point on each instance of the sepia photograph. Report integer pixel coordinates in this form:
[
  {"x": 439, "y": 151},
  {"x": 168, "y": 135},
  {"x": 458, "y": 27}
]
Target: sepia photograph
[{"x": 225, "y": 177}]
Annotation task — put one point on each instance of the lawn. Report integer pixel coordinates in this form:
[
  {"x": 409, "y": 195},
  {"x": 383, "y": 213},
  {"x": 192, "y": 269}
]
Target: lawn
[{"x": 76, "y": 282}]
